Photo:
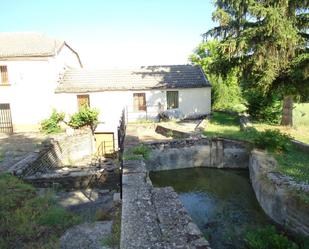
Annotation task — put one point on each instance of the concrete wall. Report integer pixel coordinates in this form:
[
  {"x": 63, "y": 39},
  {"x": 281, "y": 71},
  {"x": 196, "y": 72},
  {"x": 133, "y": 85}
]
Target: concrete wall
[
  {"x": 154, "y": 217},
  {"x": 278, "y": 195},
  {"x": 58, "y": 152},
  {"x": 193, "y": 101},
  {"x": 31, "y": 90},
  {"x": 189, "y": 153}
]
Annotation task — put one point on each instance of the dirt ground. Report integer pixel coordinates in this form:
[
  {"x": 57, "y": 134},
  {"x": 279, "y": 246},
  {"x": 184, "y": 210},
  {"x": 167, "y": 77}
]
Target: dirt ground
[{"x": 137, "y": 133}]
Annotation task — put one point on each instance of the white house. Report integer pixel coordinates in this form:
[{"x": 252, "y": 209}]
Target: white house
[
  {"x": 39, "y": 73},
  {"x": 143, "y": 92},
  {"x": 31, "y": 65}
]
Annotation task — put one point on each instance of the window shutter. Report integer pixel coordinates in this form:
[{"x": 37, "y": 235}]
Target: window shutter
[
  {"x": 139, "y": 102},
  {"x": 172, "y": 99},
  {"x": 83, "y": 100},
  {"x": 4, "y": 75}
]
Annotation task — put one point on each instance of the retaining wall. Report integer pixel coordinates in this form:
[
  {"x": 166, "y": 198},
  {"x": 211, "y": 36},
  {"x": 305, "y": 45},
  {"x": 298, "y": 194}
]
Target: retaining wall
[
  {"x": 57, "y": 152},
  {"x": 280, "y": 197},
  {"x": 300, "y": 145},
  {"x": 154, "y": 217},
  {"x": 197, "y": 152}
]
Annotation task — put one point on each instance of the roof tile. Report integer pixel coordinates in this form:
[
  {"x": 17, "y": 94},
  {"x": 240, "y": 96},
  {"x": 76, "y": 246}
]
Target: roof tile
[
  {"x": 28, "y": 45},
  {"x": 143, "y": 78}
]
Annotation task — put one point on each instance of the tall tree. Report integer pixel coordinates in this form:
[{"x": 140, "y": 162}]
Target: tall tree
[
  {"x": 226, "y": 92},
  {"x": 268, "y": 41}
]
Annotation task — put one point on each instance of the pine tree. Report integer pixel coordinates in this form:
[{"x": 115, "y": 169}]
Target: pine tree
[{"x": 268, "y": 41}]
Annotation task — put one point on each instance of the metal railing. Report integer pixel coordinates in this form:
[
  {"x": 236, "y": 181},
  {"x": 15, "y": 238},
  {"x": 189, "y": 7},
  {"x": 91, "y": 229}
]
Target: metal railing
[
  {"x": 6, "y": 125},
  {"x": 121, "y": 137}
]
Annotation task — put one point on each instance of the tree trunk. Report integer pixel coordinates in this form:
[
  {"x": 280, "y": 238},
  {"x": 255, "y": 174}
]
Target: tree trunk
[{"x": 287, "y": 111}]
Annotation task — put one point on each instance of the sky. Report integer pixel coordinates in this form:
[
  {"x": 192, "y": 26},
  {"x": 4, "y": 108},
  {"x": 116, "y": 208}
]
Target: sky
[{"x": 117, "y": 33}]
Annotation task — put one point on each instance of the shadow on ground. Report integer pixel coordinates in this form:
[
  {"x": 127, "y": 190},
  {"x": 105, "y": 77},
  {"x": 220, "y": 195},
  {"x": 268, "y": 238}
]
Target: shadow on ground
[{"x": 15, "y": 147}]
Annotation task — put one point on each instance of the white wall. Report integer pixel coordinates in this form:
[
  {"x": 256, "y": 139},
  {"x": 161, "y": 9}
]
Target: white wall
[
  {"x": 192, "y": 102},
  {"x": 31, "y": 90}
]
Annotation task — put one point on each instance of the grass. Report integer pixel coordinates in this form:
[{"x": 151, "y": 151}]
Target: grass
[
  {"x": 268, "y": 237},
  {"x": 1, "y": 156},
  {"x": 301, "y": 114},
  {"x": 293, "y": 162},
  {"x": 28, "y": 220},
  {"x": 113, "y": 241},
  {"x": 225, "y": 125},
  {"x": 137, "y": 151}
]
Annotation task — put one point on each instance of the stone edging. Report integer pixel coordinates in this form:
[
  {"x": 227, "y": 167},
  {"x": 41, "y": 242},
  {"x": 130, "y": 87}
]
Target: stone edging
[
  {"x": 304, "y": 147},
  {"x": 197, "y": 152},
  {"x": 278, "y": 194},
  {"x": 58, "y": 151},
  {"x": 154, "y": 217}
]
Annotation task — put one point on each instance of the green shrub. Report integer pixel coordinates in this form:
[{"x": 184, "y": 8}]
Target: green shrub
[
  {"x": 135, "y": 153},
  {"x": 141, "y": 150},
  {"x": 262, "y": 108},
  {"x": 268, "y": 238},
  {"x": 51, "y": 124},
  {"x": 28, "y": 220},
  {"x": 273, "y": 140},
  {"x": 58, "y": 218},
  {"x": 86, "y": 116}
]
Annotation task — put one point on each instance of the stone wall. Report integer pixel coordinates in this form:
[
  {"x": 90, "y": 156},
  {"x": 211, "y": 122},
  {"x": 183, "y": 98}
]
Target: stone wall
[
  {"x": 57, "y": 152},
  {"x": 279, "y": 195},
  {"x": 167, "y": 132},
  {"x": 197, "y": 152},
  {"x": 300, "y": 145},
  {"x": 154, "y": 217},
  {"x": 77, "y": 178}
]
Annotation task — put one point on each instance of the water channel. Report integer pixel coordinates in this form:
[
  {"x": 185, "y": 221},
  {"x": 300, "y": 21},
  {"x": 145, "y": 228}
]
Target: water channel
[{"x": 221, "y": 202}]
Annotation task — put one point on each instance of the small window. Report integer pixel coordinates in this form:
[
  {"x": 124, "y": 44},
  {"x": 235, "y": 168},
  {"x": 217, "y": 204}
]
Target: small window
[
  {"x": 139, "y": 102},
  {"x": 172, "y": 99},
  {"x": 4, "y": 75},
  {"x": 83, "y": 101}
]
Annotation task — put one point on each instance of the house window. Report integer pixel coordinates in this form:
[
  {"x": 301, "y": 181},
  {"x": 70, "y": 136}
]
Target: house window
[
  {"x": 4, "y": 75},
  {"x": 139, "y": 102},
  {"x": 83, "y": 101},
  {"x": 172, "y": 99}
]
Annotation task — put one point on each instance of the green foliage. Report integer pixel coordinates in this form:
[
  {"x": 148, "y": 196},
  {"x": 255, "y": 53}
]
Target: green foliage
[
  {"x": 222, "y": 118},
  {"x": 58, "y": 218},
  {"x": 226, "y": 93},
  {"x": 141, "y": 150},
  {"x": 86, "y": 116},
  {"x": 227, "y": 125},
  {"x": 266, "y": 238},
  {"x": 129, "y": 157},
  {"x": 51, "y": 125},
  {"x": 267, "y": 42},
  {"x": 291, "y": 161},
  {"x": 1, "y": 156},
  {"x": 294, "y": 163},
  {"x": 273, "y": 140},
  {"x": 263, "y": 108},
  {"x": 137, "y": 152},
  {"x": 113, "y": 240},
  {"x": 28, "y": 219}
]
